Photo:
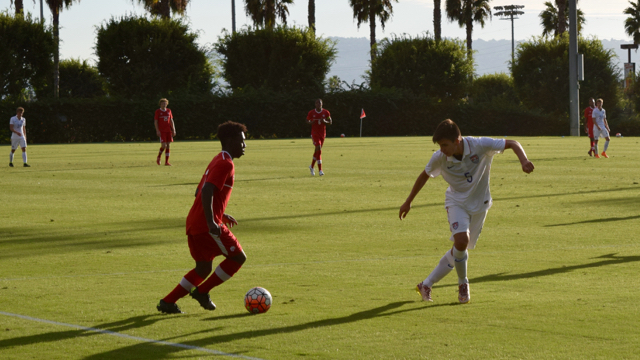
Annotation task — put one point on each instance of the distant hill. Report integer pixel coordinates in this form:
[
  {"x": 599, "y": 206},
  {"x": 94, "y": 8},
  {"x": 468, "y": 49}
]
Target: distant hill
[{"x": 492, "y": 56}]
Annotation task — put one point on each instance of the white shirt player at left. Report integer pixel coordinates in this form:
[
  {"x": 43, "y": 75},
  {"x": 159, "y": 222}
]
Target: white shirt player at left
[{"x": 17, "y": 125}]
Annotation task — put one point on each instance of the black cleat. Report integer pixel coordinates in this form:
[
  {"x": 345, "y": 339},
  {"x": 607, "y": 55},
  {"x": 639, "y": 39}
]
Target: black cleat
[
  {"x": 10, "y": 164},
  {"x": 203, "y": 299},
  {"x": 26, "y": 165},
  {"x": 168, "y": 308}
]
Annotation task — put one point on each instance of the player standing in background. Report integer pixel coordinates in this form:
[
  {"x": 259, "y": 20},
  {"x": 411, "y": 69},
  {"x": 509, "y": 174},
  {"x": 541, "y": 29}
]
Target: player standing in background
[
  {"x": 588, "y": 127},
  {"x": 318, "y": 118},
  {"x": 165, "y": 129},
  {"x": 465, "y": 164},
  {"x": 206, "y": 230},
  {"x": 18, "y": 128},
  {"x": 600, "y": 128}
]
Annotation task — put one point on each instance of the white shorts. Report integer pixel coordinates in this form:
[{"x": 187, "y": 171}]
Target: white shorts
[
  {"x": 600, "y": 133},
  {"x": 462, "y": 221},
  {"x": 18, "y": 142}
]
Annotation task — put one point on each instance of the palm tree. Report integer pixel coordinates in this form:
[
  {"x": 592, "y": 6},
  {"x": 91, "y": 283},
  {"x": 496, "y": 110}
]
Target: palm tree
[
  {"x": 562, "y": 10},
  {"x": 264, "y": 12},
  {"x": 437, "y": 20},
  {"x": 56, "y": 7},
  {"x": 312, "y": 15},
  {"x": 19, "y": 7},
  {"x": 632, "y": 23},
  {"x": 466, "y": 12},
  {"x": 163, "y": 8},
  {"x": 367, "y": 11},
  {"x": 549, "y": 19}
]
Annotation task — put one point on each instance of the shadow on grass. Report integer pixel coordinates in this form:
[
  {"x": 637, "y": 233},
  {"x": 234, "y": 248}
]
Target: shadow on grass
[
  {"x": 594, "y": 221},
  {"x": 609, "y": 259}
]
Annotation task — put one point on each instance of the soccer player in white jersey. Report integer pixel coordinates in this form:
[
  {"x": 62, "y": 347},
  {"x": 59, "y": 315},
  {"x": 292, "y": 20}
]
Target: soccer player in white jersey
[
  {"x": 600, "y": 127},
  {"x": 464, "y": 163},
  {"x": 17, "y": 125}
]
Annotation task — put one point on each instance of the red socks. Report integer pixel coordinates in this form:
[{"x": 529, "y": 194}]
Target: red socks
[
  {"x": 223, "y": 272},
  {"x": 317, "y": 156},
  {"x": 190, "y": 280},
  {"x": 161, "y": 151}
]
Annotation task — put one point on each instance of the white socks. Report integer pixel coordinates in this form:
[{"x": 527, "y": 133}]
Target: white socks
[
  {"x": 443, "y": 268},
  {"x": 606, "y": 145},
  {"x": 10, "y": 157},
  {"x": 24, "y": 157},
  {"x": 461, "y": 264}
]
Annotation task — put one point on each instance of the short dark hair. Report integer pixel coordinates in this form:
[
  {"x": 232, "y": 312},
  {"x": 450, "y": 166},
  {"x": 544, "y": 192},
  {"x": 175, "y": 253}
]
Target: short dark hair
[
  {"x": 446, "y": 130},
  {"x": 230, "y": 129}
]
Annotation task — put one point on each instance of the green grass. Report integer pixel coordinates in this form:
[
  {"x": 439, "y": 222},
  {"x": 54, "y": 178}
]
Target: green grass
[{"x": 93, "y": 235}]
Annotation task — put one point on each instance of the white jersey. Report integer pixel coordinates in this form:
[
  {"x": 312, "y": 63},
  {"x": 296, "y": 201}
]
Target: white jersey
[
  {"x": 17, "y": 126},
  {"x": 468, "y": 178},
  {"x": 599, "y": 116}
]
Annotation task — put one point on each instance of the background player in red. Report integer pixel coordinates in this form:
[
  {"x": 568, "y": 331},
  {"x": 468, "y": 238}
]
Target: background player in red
[
  {"x": 589, "y": 123},
  {"x": 165, "y": 129},
  {"x": 208, "y": 226},
  {"x": 318, "y": 118}
]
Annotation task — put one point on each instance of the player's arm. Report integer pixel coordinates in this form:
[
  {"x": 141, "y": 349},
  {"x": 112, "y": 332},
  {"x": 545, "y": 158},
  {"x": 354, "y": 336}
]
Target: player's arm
[
  {"x": 155, "y": 123},
  {"x": 527, "y": 166},
  {"x": 328, "y": 120},
  {"x": 206, "y": 195},
  {"x": 13, "y": 131},
  {"x": 417, "y": 186},
  {"x": 24, "y": 132},
  {"x": 173, "y": 126},
  {"x": 606, "y": 124}
]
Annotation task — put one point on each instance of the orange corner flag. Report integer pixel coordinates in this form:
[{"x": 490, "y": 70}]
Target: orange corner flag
[{"x": 362, "y": 114}]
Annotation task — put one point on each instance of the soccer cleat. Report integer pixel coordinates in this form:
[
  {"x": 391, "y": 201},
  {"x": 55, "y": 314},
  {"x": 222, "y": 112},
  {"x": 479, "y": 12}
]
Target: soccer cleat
[
  {"x": 10, "y": 164},
  {"x": 596, "y": 156},
  {"x": 168, "y": 308},
  {"x": 167, "y": 164},
  {"x": 27, "y": 165},
  {"x": 158, "y": 160},
  {"x": 463, "y": 293},
  {"x": 589, "y": 153},
  {"x": 313, "y": 172},
  {"x": 424, "y": 291},
  {"x": 203, "y": 299},
  {"x": 604, "y": 154},
  {"x": 321, "y": 173}
]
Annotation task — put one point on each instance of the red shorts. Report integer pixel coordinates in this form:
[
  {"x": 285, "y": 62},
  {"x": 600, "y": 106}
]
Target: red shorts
[
  {"x": 317, "y": 140},
  {"x": 165, "y": 137},
  {"x": 205, "y": 247}
]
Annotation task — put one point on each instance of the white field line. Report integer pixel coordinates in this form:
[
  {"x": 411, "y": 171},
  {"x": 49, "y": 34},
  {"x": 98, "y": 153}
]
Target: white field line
[
  {"x": 391, "y": 258},
  {"x": 136, "y": 338}
]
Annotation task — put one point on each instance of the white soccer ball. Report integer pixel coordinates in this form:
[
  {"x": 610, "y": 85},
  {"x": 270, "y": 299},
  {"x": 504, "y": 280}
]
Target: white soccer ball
[
  {"x": 257, "y": 300},
  {"x": 618, "y": 135}
]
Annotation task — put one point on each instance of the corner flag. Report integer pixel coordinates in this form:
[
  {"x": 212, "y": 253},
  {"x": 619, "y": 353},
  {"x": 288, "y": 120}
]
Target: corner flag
[{"x": 362, "y": 115}]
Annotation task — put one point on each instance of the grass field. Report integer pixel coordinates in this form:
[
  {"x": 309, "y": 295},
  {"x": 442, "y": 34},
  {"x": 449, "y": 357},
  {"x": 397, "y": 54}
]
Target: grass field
[{"x": 92, "y": 236}]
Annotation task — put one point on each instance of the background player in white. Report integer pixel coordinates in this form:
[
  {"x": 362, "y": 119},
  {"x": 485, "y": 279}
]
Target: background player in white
[
  {"x": 465, "y": 164},
  {"x": 600, "y": 127},
  {"x": 17, "y": 124}
]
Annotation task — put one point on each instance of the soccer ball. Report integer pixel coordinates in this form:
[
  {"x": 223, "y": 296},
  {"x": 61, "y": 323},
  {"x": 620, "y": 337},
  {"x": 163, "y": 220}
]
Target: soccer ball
[
  {"x": 257, "y": 300},
  {"x": 618, "y": 135},
  {"x": 341, "y": 135}
]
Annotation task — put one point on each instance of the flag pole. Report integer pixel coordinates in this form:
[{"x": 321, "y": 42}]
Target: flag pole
[{"x": 362, "y": 115}]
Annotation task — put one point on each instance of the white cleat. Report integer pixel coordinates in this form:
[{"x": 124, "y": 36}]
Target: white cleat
[
  {"x": 313, "y": 173},
  {"x": 464, "y": 294},
  {"x": 321, "y": 173},
  {"x": 424, "y": 291}
]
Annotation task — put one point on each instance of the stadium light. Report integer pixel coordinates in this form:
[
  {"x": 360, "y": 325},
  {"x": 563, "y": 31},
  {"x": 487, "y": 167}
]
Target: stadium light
[{"x": 509, "y": 12}]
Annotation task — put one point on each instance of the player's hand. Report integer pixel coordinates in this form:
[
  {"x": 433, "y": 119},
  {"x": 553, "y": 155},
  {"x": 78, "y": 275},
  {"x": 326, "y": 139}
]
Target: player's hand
[
  {"x": 18, "y": 133},
  {"x": 214, "y": 229},
  {"x": 174, "y": 134},
  {"x": 229, "y": 220},
  {"x": 404, "y": 210},
  {"x": 158, "y": 133},
  {"x": 527, "y": 167}
]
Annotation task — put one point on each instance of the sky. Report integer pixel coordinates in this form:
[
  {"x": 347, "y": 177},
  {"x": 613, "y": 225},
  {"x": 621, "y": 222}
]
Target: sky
[{"x": 334, "y": 18}]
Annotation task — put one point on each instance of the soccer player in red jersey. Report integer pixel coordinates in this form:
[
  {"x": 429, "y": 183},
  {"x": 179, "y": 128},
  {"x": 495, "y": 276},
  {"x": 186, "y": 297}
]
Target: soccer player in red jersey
[
  {"x": 208, "y": 226},
  {"x": 165, "y": 129},
  {"x": 589, "y": 124},
  {"x": 318, "y": 118}
]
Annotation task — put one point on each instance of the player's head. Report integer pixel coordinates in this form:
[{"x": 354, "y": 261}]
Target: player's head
[
  {"x": 165, "y": 101},
  {"x": 448, "y": 136},
  {"x": 592, "y": 102},
  {"x": 20, "y": 111},
  {"x": 599, "y": 103},
  {"x": 231, "y": 135},
  {"x": 318, "y": 104}
]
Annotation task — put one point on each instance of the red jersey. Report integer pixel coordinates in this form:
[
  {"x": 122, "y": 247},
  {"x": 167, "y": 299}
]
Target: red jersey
[
  {"x": 587, "y": 116},
  {"x": 318, "y": 127},
  {"x": 220, "y": 173},
  {"x": 163, "y": 117}
]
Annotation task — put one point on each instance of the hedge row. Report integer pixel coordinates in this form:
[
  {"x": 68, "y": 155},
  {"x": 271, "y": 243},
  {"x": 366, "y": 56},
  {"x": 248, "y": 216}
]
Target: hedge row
[{"x": 389, "y": 113}]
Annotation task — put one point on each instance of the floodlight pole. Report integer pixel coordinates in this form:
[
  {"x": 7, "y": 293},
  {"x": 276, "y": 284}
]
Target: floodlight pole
[
  {"x": 574, "y": 86},
  {"x": 233, "y": 16},
  {"x": 510, "y": 12},
  {"x": 41, "y": 12}
]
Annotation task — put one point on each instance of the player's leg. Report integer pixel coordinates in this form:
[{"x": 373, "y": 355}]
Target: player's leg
[
  {"x": 24, "y": 157},
  {"x": 590, "y": 152},
  {"x": 319, "y": 156},
  {"x": 606, "y": 143},
  {"x": 162, "y": 145},
  {"x": 11, "y": 157},
  {"x": 315, "y": 152},
  {"x": 234, "y": 258},
  {"x": 442, "y": 269},
  {"x": 167, "y": 153}
]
